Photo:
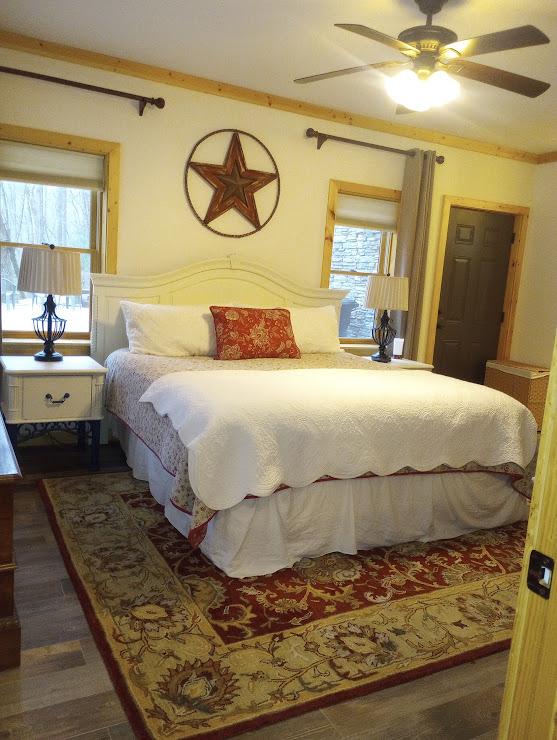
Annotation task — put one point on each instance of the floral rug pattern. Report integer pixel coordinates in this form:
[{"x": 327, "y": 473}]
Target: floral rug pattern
[{"x": 197, "y": 654}]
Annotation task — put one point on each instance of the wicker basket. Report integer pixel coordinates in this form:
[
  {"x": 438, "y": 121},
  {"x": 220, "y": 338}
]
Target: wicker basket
[{"x": 526, "y": 383}]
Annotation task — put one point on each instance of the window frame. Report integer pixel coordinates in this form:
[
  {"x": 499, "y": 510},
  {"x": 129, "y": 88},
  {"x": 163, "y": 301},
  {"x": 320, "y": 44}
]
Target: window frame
[
  {"x": 104, "y": 211},
  {"x": 388, "y": 239}
]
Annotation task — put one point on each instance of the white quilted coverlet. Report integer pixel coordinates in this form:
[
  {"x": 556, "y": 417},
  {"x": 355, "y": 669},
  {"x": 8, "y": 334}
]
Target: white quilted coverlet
[{"x": 249, "y": 431}]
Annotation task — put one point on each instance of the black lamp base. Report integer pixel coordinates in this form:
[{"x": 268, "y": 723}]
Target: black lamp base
[
  {"x": 49, "y": 327},
  {"x": 43, "y": 356},
  {"x": 383, "y": 334},
  {"x": 378, "y": 357}
]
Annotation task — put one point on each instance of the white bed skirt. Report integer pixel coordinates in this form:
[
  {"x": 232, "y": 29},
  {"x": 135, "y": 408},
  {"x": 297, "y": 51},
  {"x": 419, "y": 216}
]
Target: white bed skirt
[{"x": 260, "y": 536}]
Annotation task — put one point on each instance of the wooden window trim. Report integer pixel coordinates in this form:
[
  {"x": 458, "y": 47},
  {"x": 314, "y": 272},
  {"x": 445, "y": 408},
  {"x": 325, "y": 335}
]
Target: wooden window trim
[
  {"x": 15, "y": 346},
  {"x": 341, "y": 187}
]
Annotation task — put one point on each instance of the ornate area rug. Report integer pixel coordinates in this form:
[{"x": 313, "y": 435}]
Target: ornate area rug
[{"x": 193, "y": 653}]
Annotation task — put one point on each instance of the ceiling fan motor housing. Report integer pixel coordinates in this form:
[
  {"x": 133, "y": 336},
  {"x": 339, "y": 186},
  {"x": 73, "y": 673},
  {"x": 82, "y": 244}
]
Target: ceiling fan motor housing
[
  {"x": 430, "y": 7},
  {"x": 427, "y": 38}
]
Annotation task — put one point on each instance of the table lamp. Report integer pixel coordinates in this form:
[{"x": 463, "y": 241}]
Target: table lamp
[
  {"x": 387, "y": 293},
  {"x": 54, "y": 272}
]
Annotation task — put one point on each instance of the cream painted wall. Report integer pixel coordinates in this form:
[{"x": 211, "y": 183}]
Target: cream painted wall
[
  {"x": 157, "y": 230},
  {"x": 537, "y": 300}
]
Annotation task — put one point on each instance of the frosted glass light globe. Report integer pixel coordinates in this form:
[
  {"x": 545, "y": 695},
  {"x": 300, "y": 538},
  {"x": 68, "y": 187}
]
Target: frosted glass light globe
[
  {"x": 407, "y": 89},
  {"x": 442, "y": 88},
  {"x": 417, "y": 94}
]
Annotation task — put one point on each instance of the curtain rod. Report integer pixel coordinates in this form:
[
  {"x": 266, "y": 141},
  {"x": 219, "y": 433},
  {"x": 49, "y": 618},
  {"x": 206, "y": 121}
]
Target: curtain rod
[
  {"x": 141, "y": 99},
  {"x": 311, "y": 133}
]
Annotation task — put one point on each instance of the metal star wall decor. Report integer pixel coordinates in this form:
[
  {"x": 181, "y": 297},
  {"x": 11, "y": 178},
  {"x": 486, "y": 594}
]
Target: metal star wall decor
[{"x": 234, "y": 184}]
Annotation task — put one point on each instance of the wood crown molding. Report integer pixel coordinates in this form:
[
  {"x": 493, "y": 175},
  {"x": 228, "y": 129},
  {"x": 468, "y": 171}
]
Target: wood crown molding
[
  {"x": 547, "y": 157},
  {"x": 143, "y": 71}
]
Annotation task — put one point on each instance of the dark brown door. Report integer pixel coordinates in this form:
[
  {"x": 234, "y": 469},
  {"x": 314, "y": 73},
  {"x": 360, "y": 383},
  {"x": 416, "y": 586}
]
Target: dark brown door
[{"x": 472, "y": 292}]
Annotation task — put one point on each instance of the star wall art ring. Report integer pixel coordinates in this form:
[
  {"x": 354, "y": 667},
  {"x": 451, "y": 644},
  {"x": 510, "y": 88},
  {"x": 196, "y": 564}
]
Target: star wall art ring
[{"x": 225, "y": 194}]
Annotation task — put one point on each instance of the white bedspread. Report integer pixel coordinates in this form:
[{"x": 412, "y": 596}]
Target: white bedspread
[{"x": 248, "y": 432}]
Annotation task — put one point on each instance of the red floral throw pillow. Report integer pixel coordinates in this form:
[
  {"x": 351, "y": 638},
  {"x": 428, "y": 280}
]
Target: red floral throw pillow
[{"x": 246, "y": 333}]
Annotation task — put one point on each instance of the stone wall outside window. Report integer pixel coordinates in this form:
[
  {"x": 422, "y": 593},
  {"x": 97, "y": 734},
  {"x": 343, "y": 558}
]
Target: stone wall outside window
[{"x": 355, "y": 249}]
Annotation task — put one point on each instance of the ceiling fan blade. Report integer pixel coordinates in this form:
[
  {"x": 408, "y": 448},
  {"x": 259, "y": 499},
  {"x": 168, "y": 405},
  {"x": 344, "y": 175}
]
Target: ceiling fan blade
[
  {"x": 512, "y": 38},
  {"x": 349, "y": 71},
  {"x": 498, "y": 78},
  {"x": 382, "y": 38}
]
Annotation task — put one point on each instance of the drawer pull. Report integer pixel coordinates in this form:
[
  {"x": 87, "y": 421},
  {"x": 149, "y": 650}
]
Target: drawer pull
[{"x": 50, "y": 400}]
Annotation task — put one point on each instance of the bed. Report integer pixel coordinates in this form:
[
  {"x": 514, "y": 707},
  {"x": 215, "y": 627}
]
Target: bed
[{"x": 264, "y": 533}]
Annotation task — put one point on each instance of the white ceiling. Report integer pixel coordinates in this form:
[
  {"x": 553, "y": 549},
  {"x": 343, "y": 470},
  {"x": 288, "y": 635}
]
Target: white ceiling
[{"x": 265, "y": 44}]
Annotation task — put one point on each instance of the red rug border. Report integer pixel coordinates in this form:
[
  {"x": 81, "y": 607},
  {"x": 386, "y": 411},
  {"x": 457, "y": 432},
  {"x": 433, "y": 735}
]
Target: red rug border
[
  {"x": 132, "y": 711},
  {"x": 134, "y": 714}
]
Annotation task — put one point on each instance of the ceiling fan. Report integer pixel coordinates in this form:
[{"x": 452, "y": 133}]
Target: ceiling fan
[{"x": 434, "y": 54}]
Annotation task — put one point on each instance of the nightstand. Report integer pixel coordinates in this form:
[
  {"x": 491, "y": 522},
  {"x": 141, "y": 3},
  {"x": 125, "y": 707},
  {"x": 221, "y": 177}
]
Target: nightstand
[
  {"x": 38, "y": 397},
  {"x": 406, "y": 364}
]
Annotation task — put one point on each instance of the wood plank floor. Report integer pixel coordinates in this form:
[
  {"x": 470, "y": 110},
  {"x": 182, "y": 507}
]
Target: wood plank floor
[{"x": 62, "y": 689}]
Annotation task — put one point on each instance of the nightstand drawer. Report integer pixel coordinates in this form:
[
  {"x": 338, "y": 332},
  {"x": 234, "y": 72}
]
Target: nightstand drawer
[{"x": 62, "y": 397}]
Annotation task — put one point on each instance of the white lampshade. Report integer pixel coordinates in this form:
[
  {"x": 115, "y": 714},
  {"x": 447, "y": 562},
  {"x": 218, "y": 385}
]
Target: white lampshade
[
  {"x": 384, "y": 291},
  {"x": 50, "y": 271}
]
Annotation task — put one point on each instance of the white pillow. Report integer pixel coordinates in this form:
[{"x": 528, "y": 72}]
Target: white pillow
[
  {"x": 174, "y": 331},
  {"x": 315, "y": 329}
]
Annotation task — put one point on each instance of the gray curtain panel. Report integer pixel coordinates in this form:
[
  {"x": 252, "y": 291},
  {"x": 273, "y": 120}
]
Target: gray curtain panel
[{"x": 412, "y": 241}]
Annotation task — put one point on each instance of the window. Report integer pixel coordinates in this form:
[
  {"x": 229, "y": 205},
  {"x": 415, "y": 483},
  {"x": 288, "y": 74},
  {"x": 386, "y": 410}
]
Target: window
[
  {"x": 55, "y": 189},
  {"x": 360, "y": 240},
  {"x": 32, "y": 215}
]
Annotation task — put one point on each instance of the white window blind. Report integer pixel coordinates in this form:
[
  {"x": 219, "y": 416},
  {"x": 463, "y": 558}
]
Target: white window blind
[
  {"x": 369, "y": 213},
  {"x": 31, "y": 163}
]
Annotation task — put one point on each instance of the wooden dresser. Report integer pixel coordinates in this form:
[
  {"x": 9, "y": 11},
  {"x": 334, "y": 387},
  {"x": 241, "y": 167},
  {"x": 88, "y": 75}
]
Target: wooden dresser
[{"x": 10, "y": 631}]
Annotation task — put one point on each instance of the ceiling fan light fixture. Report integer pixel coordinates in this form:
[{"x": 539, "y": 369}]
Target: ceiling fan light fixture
[
  {"x": 407, "y": 89},
  {"x": 419, "y": 93},
  {"x": 433, "y": 50},
  {"x": 442, "y": 88}
]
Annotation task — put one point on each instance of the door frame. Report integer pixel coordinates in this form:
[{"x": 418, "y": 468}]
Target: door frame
[
  {"x": 521, "y": 214},
  {"x": 530, "y": 697}
]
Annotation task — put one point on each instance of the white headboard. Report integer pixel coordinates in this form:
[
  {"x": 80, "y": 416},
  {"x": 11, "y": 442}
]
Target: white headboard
[{"x": 221, "y": 281}]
